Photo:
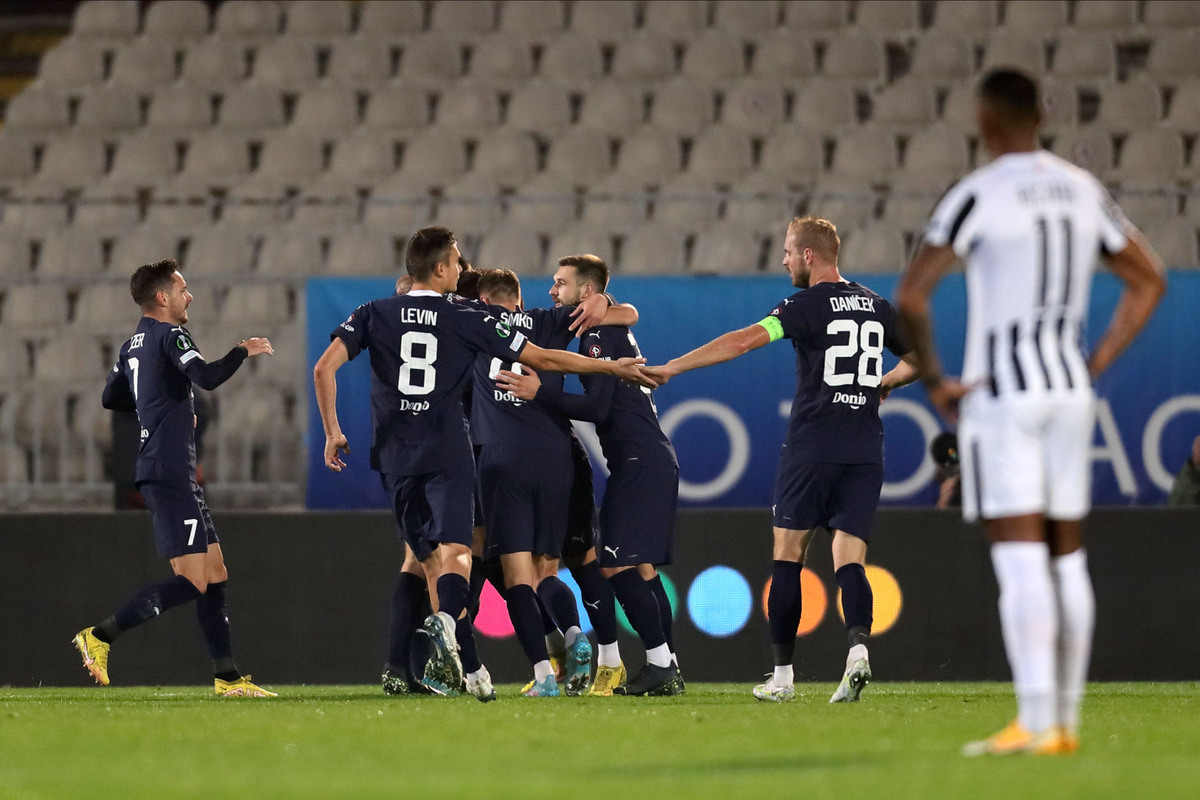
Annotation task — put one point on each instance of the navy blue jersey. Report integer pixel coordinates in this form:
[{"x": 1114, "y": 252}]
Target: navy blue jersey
[
  {"x": 839, "y": 331},
  {"x": 422, "y": 347},
  {"x": 497, "y": 417},
  {"x": 153, "y": 375},
  {"x": 625, "y": 417}
]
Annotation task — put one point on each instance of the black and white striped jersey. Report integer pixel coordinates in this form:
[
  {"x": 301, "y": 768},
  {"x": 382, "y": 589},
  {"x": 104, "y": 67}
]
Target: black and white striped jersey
[{"x": 1030, "y": 227}]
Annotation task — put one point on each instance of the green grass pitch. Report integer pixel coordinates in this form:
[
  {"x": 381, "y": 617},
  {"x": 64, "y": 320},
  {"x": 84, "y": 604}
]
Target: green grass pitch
[{"x": 1140, "y": 740}]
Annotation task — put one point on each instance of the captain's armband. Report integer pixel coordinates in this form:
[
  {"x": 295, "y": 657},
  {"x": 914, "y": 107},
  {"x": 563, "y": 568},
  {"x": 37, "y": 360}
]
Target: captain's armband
[{"x": 773, "y": 327}]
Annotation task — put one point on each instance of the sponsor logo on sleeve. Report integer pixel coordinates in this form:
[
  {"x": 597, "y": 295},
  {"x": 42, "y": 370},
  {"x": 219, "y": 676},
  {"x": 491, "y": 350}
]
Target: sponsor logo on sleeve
[
  {"x": 186, "y": 357},
  {"x": 516, "y": 343}
]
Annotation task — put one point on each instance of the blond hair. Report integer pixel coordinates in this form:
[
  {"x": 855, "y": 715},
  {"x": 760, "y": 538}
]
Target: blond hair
[{"x": 820, "y": 235}]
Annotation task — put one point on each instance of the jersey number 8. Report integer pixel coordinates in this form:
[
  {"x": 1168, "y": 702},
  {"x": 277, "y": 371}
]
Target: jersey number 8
[
  {"x": 864, "y": 341},
  {"x": 417, "y": 375}
]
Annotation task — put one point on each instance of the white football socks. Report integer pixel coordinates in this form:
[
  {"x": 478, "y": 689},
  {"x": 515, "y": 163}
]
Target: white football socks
[
  {"x": 1077, "y": 617},
  {"x": 1028, "y": 619},
  {"x": 608, "y": 655},
  {"x": 659, "y": 656},
  {"x": 542, "y": 670},
  {"x": 783, "y": 676},
  {"x": 856, "y": 652},
  {"x": 570, "y": 634}
]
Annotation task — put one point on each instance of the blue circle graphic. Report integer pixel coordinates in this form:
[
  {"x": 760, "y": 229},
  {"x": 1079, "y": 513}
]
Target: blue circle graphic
[{"x": 719, "y": 601}]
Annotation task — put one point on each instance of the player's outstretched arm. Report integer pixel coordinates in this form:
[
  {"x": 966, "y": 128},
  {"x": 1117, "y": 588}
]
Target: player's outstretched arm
[
  {"x": 902, "y": 374},
  {"x": 592, "y": 406},
  {"x": 724, "y": 348},
  {"x": 325, "y": 386},
  {"x": 924, "y": 272},
  {"x": 208, "y": 375},
  {"x": 1141, "y": 271},
  {"x": 627, "y": 369},
  {"x": 600, "y": 310}
]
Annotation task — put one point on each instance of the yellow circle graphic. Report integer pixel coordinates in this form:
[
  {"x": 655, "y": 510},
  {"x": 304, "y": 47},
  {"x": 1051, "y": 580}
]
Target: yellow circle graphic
[{"x": 888, "y": 599}]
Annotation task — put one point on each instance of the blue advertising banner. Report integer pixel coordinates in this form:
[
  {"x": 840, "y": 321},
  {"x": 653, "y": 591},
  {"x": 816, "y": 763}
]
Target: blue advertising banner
[{"x": 727, "y": 421}]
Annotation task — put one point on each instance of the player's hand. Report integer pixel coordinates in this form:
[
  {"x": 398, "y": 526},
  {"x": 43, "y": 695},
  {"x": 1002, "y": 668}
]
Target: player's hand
[
  {"x": 257, "y": 345},
  {"x": 659, "y": 374},
  {"x": 335, "y": 445},
  {"x": 946, "y": 395},
  {"x": 629, "y": 369},
  {"x": 523, "y": 385},
  {"x": 588, "y": 314}
]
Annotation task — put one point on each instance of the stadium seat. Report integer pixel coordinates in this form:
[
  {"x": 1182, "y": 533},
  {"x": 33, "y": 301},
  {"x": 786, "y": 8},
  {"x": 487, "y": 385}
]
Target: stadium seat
[
  {"x": 1043, "y": 18},
  {"x": 73, "y": 160},
  {"x": 367, "y": 252},
  {"x": 1173, "y": 56},
  {"x": 722, "y": 153},
  {"x": 34, "y": 308},
  {"x": 294, "y": 252},
  {"x": 69, "y": 360},
  {"x": 107, "y": 309},
  {"x": 654, "y": 249},
  {"x": 1148, "y": 205},
  {"x": 942, "y": 59},
  {"x": 953, "y": 18},
  {"x": 512, "y": 247},
  {"x": 573, "y": 60},
  {"x": 391, "y": 20},
  {"x": 431, "y": 61},
  {"x": 38, "y": 206},
  {"x": 71, "y": 64},
  {"x": 468, "y": 107},
  {"x": 176, "y": 20},
  {"x": 472, "y": 17},
  {"x": 906, "y": 106},
  {"x": 580, "y": 239},
  {"x": 1136, "y": 103},
  {"x": 259, "y": 202},
  {"x": 471, "y": 203},
  {"x": 400, "y": 203},
  {"x": 759, "y": 201},
  {"x": 688, "y": 200},
  {"x": 15, "y": 359},
  {"x": 1007, "y": 48},
  {"x": 146, "y": 64},
  {"x": 328, "y": 204},
  {"x": 581, "y": 155},
  {"x": 877, "y": 248},
  {"x": 397, "y": 109},
  {"x": 1060, "y": 108},
  {"x": 16, "y": 161},
  {"x": 317, "y": 18},
  {"x": 609, "y": 20},
  {"x": 105, "y": 20},
  {"x": 503, "y": 62},
  {"x": 260, "y": 304},
  {"x": 1150, "y": 157},
  {"x": 677, "y": 19},
  {"x": 292, "y": 156},
  {"x": 109, "y": 110},
  {"x": 251, "y": 109},
  {"x": 37, "y": 112},
  {"x": 888, "y": 19},
  {"x": 183, "y": 204},
  {"x": 328, "y": 110},
  {"x": 141, "y": 245},
  {"x": 364, "y": 156},
  {"x": 845, "y": 201},
  {"x": 745, "y": 18},
  {"x": 959, "y": 108},
  {"x": 1175, "y": 240},
  {"x": 434, "y": 154},
  {"x": 936, "y": 156},
  {"x": 792, "y": 156},
  {"x": 288, "y": 63},
  {"x": 754, "y": 105},
  {"x": 644, "y": 58},
  {"x": 1085, "y": 58},
  {"x": 651, "y": 153},
  {"x": 214, "y": 64},
  {"x": 825, "y": 106},
  {"x": 530, "y": 20},
  {"x": 1116, "y": 16},
  {"x": 1185, "y": 108},
  {"x": 1088, "y": 147},
  {"x": 222, "y": 251},
  {"x": 786, "y": 58},
  {"x": 73, "y": 252},
  {"x": 506, "y": 157},
  {"x": 180, "y": 109},
  {"x": 16, "y": 254},
  {"x": 109, "y": 208},
  {"x": 683, "y": 106},
  {"x": 247, "y": 19},
  {"x": 808, "y": 17},
  {"x": 540, "y": 108},
  {"x": 617, "y": 203},
  {"x": 715, "y": 58},
  {"x": 359, "y": 63},
  {"x": 547, "y": 203},
  {"x": 217, "y": 157},
  {"x": 913, "y": 196},
  {"x": 1170, "y": 15},
  {"x": 612, "y": 108},
  {"x": 855, "y": 58},
  {"x": 868, "y": 153},
  {"x": 726, "y": 250}
]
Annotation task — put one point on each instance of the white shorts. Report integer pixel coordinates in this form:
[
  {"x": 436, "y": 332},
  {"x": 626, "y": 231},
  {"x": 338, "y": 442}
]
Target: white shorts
[{"x": 1026, "y": 456}]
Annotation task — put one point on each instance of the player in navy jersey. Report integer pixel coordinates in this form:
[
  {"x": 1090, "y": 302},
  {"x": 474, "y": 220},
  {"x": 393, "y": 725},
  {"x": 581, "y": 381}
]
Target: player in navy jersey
[
  {"x": 153, "y": 376},
  {"x": 525, "y": 473},
  {"x": 422, "y": 347},
  {"x": 831, "y": 464},
  {"x": 637, "y": 514}
]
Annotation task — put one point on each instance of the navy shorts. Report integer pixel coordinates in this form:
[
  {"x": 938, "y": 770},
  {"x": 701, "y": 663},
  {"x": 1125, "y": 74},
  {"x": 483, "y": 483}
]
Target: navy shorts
[
  {"x": 840, "y": 497},
  {"x": 433, "y": 508},
  {"x": 637, "y": 515},
  {"x": 582, "y": 520},
  {"x": 524, "y": 492},
  {"x": 182, "y": 522}
]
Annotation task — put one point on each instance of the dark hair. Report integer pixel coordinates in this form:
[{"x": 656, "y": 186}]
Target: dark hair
[
  {"x": 499, "y": 282},
  {"x": 426, "y": 248},
  {"x": 150, "y": 279},
  {"x": 468, "y": 284},
  {"x": 1012, "y": 93},
  {"x": 591, "y": 269}
]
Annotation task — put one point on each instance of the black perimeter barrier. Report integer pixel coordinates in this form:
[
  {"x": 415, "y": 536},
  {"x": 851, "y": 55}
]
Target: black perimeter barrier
[{"x": 309, "y": 595}]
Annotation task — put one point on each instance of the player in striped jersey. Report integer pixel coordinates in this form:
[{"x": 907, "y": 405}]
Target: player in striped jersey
[{"x": 1030, "y": 227}]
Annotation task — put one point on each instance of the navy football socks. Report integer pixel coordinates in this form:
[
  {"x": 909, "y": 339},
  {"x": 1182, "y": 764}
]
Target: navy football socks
[
  {"x": 213, "y": 616},
  {"x": 526, "y": 616},
  {"x": 408, "y": 600},
  {"x": 478, "y": 576},
  {"x": 857, "y": 602},
  {"x": 664, "y": 608},
  {"x": 453, "y": 591},
  {"x": 599, "y": 600},
  {"x": 464, "y": 634},
  {"x": 640, "y": 606},
  {"x": 783, "y": 610},
  {"x": 147, "y": 604},
  {"x": 558, "y": 599}
]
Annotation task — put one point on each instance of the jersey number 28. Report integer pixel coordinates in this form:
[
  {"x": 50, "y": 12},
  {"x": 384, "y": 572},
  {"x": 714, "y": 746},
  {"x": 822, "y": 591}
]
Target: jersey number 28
[{"x": 864, "y": 341}]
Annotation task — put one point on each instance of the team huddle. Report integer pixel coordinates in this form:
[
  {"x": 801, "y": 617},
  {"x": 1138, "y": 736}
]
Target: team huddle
[{"x": 473, "y": 442}]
